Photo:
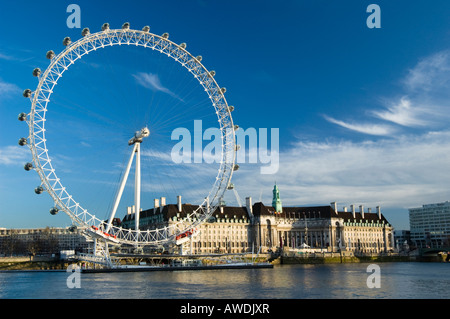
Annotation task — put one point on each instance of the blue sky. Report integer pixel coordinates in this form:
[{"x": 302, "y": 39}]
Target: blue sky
[{"x": 362, "y": 113}]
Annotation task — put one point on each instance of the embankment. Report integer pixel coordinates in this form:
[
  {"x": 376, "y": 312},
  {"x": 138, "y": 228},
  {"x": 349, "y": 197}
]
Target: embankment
[
  {"x": 27, "y": 263},
  {"x": 341, "y": 259}
]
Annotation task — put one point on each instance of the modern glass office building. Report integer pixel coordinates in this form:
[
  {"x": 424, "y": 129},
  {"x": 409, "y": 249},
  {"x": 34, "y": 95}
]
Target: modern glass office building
[{"x": 430, "y": 225}]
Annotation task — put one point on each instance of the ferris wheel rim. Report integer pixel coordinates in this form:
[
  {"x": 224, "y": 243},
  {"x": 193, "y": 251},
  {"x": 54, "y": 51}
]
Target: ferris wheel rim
[{"x": 36, "y": 122}]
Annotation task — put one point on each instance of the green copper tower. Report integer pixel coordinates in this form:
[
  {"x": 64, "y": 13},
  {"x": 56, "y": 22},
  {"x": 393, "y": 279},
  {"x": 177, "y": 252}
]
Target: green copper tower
[{"x": 276, "y": 201}]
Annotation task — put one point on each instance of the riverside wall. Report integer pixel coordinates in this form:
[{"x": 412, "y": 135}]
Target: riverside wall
[
  {"x": 341, "y": 259},
  {"x": 32, "y": 263},
  {"x": 55, "y": 263},
  {"x": 346, "y": 257},
  {"x": 52, "y": 263}
]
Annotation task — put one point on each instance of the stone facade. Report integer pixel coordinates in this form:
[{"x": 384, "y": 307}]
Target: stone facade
[
  {"x": 47, "y": 240},
  {"x": 322, "y": 228},
  {"x": 257, "y": 227}
]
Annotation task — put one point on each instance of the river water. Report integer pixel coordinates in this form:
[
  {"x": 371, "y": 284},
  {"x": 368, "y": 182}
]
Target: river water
[{"x": 403, "y": 280}]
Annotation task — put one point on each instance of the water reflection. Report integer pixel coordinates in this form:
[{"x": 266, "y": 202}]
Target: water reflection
[{"x": 337, "y": 281}]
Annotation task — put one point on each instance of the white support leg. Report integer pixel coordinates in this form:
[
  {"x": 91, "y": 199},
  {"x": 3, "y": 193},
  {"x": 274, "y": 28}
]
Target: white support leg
[
  {"x": 136, "y": 142},
  {"x": 122, "y": 186},
  {"x": 137, "y": 186}
]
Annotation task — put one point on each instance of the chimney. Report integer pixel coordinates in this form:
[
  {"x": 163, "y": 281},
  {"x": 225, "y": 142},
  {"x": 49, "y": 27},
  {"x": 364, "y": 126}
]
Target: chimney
[
  {"x": 163, "y": 201},
  {"x": 221, "y": 201},
  {"x": 156, "y": 204},
  {"x": 133, "y": 209},
  {"x": 352, "y": 207},
  {"x": 345, "y": 208},
  {"x": 379, "y": 212},
  {"x": 221, "y": 209},
  {"x": 361, "y": 210},
  {"x": 129, "y": 210},
  {"x": 249, "y": 207},
  {"x": 334, "y": 205},
  {"x": 369, "y": 210},
  {"x": 179, "y": 203}
]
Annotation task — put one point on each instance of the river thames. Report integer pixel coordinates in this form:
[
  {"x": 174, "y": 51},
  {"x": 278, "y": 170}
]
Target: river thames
[{"x": 398, "y": 280}]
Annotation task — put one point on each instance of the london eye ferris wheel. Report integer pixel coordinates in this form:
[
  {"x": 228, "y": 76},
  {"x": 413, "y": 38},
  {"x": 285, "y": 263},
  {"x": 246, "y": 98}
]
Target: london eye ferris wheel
[{"x": 162, "y": 110}]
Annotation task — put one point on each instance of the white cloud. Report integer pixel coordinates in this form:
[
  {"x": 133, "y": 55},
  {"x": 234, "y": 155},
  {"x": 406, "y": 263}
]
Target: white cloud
[
  {"x": 402, "y": 172},
  {"x": 430, "y": 73},
  {"x": 8, "y": 88},
  {"x": 403, "y": 113},
  {"x": 14, "y": 155},
  {"x": 368, "y": 128},
  {"x": 424, "y": 102},
  {"x": 151, "y": 81},
  {"x": 6, "y": 57},
  {"x": 157, "y": 155}
]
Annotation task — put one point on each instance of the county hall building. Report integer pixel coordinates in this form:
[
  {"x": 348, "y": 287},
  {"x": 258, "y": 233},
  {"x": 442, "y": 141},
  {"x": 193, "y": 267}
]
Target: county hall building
[{"x": 257, "y": 227}]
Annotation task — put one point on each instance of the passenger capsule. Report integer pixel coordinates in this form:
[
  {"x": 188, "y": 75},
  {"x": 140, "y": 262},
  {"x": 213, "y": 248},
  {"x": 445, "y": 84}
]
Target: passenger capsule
[
  {"x": 50, "y": 55},
  {"x": 72, "y": 228},
  {"x": 85, "y": 32},
  {"x": 22, "y": 141},
  {"x": 39, "y": 190},
  {"x": 230, "y": 186},
  {"x": 126, "y": 26},
  {"x": 183, "y": 45},
  {"x": 199, "y": 58},
  {"x": 236, "y": 127},
  {"x": 22, "y": 117},
  {"x": 165, "y": 35},
  {"x": 223, "y": 90},
  {"x": 67, "y": 41},
  {"x": 28, "y": 166},
  {"x": 236, "y": 167},
  {"x": 146, "y": 28},
  {"x": 36, "y": 72},
  {"x": 27, "y": 93},
  {"x": 105, "y": 26},
  {"x": 54, "y": 210},
  {"x": 237, "y": 147},
  {"x": 212, "y": 73},
  {"x": 231, "y": 108}
]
